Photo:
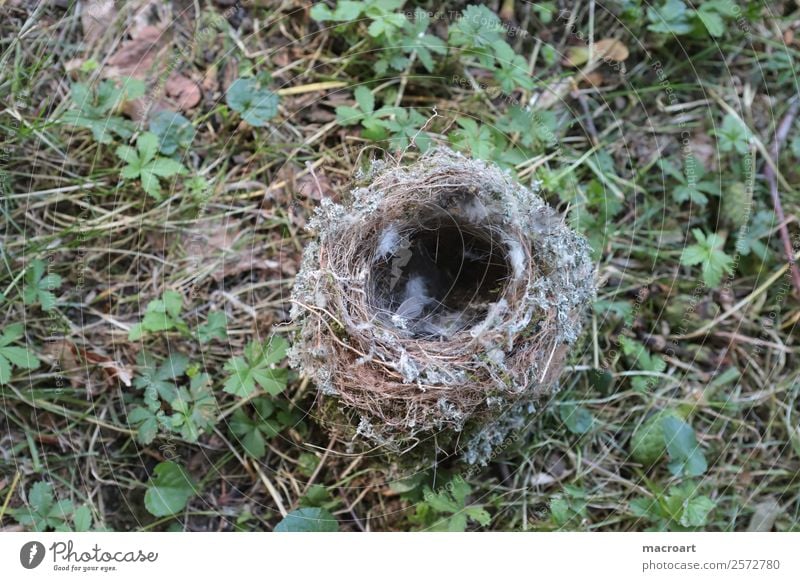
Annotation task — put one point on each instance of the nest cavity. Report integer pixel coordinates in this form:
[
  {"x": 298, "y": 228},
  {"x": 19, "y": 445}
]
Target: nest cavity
[{"x": 441, "y": 298}]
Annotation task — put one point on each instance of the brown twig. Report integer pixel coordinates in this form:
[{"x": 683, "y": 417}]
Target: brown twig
[{"x": 781, "y": 133}]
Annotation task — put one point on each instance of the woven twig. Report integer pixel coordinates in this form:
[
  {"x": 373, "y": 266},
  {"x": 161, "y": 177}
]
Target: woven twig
[{"x": 397, "y": 382}]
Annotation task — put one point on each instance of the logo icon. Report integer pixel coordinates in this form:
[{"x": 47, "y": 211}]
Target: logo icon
[{"x": 31, "y": 554}]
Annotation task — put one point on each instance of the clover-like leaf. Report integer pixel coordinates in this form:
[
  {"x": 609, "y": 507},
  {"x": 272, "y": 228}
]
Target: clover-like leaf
[
  {"x": 257, "y": 367},
  {"x": 255, "y": 104},
  {"x": 11, "y": 355},
  {"x": 144, "y": 164},
  {"x": 38, "y": 287}
]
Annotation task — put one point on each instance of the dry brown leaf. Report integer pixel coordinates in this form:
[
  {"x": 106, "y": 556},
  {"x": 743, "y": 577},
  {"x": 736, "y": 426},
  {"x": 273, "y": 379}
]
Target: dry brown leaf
[
  {"x": 96, "y": 17},
  {"x": 136, "y": 57},
  {"x": 612, "y": 49},
  {"x": 183, "y": 91},
  {"x": 607, "y": 48},
  {"x": 593, "y": 79}
]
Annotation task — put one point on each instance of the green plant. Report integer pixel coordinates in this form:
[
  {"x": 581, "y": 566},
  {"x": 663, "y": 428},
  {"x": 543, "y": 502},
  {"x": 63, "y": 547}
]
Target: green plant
[
  {"x": 674, "y": 17},
  {"x": 407, "y": 126},
  {"x": 479, "y": 32},
  {"x": 568, "y": 510},
  {"x": 168, "y": 490},
  {"x": 666, "y": 432},
  {"x": 43, "y": 512},
  {"x": 146, "y": 165},
  {"x": 577, "y": 418},
  {"x": 685, "y": 454},
  {"x": 258, "y": 367},
  {"x": 681, "y": 509},
  {"x": 364, "y": 112},
  {"x": 95, "y": 110},
  {"x": 174, "y": 131},
  {"x": 38, "y": 287},
  {"x": 268, "y": 420},
  {"x": 308, "y": 520},
  {"x": 161, "y": 315},
  {"x": 474, "y": 138},
  {"x": 447, "y": 509},
  {"x": 641, "y": 357},
  {"x": 159, "y": 381},
  {"x": 215, "y": 327},
  {"x": 647, "y": 443},
  {"x": 733, "y": 135},
  {"x": 194, "y": 409},
  {"x": 708, "y": 253},
  {"x": 691, "y": 186},
  {"x": 385, "y": 22},
  {"x": 17, "y": 356},
  {"x": 256, "y": 104}
]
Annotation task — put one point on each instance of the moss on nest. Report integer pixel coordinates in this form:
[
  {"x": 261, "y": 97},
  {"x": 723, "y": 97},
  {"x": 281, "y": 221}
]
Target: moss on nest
[{"x": 439, "y": 300}]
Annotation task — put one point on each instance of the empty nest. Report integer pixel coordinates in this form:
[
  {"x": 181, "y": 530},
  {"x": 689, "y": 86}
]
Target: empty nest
[{"x": 438, "y": 301}]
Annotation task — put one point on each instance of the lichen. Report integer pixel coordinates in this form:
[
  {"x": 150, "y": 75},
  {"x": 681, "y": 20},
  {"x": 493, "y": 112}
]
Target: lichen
[{"x": 411, "y": 362}]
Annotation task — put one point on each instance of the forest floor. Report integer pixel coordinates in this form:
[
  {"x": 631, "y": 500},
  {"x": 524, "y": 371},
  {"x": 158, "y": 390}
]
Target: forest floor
[{"x": 160, "y": 161}]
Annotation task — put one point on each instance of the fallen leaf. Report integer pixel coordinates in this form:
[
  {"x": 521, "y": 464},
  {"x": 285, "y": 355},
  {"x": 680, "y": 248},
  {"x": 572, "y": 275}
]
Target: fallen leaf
[
  {"x": 611, "y": 49},
  {"x": 136, "y": 57},
  {"x": 96, "y": 18},
  {"x": 607, "y": 48},
  {"x": 593, "y": 79},
  {"x": 183, "y": 91}
]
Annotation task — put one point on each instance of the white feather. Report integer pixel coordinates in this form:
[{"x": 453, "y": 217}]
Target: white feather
[
  {"x": 389, "y": 241},
  {"x": 517, "y": 258},
  {"x": 474, "y": 210}
]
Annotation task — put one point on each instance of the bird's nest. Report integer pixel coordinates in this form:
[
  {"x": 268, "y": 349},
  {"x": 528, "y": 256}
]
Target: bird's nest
[{"x": 440, "y": 299}]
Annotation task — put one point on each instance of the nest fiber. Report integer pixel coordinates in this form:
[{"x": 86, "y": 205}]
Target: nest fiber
[{"x": 439, "y": 300}]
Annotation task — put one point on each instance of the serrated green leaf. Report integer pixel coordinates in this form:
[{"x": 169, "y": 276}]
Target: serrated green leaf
[
  {"x": 169, "y": 490},
  {"x": 308, "y": 520}
]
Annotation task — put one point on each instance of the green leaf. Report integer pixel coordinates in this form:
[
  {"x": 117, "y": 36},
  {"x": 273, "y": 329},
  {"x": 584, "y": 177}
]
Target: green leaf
[
  {"x": 38, "y": 287},
  {"x": 195, "y": 409},
  {"x": 647, "y": 443},
  {"x": 684, "y": 452},
  {"x": 671, "y": 18},
  {"x": 147, "y": 146},
  {"x": 708, "y": 253},
  {"x": 82, "y": 519},
  {"x": 696, "y": 511},
  {"x": 253, "y": 431},
  {"x": 365, "y": 99},
  {"x": 308, "y": 520},
  {"x": 159, "y": 382},
  {"x": 474, "y": 138},
  {"x": 144, "y": 165},
  {"x": 215, "y": 327},
  {"x": 169, "y": 490},
  {"x": 256, "y": 367},
  {"x": 40, "y": 497},
  {"x": 577, "y": 419},
  {"x": 164, "y": 167},
  {"x": 146, "y": 423},
  {"x": 733, "y": 135},
  {"x": 161, "y": 315},
  {"x": 12, "y": 355},
  {"x": 256, "y": 105},
  {"x": 174, "y": 131},
  {"x": 711, "y": 20},
  {"x": 478, "y": 28},
  {"x": 94, "y": 108}
]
